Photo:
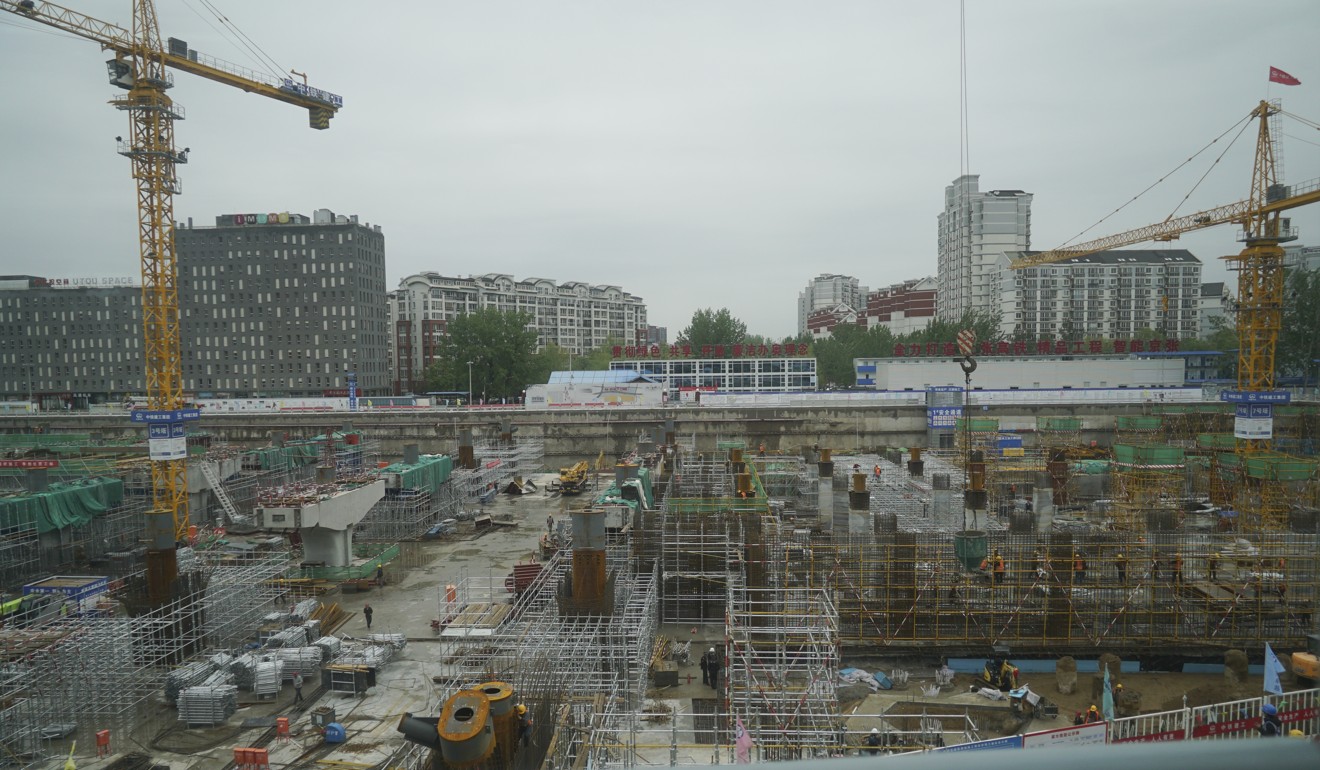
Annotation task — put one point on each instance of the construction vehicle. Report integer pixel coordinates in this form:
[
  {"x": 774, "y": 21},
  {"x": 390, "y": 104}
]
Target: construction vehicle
[
  {"x": 1306, "y": 665},
  {"x": 140, "y": 67},
  {"x": 573, "y": 480}
]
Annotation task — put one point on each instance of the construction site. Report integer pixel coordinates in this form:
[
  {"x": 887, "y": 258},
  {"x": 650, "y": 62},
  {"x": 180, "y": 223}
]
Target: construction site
[{"x": 1164, "y": 551}]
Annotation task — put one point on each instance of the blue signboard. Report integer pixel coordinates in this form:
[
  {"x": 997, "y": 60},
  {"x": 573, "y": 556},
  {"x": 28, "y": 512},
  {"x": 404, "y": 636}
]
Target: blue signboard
[
  {"x": 1011, "y": 742},
  {"x": 155, "y": 431},
  {"x": 945, "y": 389},
  {"x": 1256, "y": 396},
  {"x": 352, "y": 392},
  {"x": 165, "y": 415},
  {"x": 1255, "y": 411},
  {"x": 943, "y": 416}
]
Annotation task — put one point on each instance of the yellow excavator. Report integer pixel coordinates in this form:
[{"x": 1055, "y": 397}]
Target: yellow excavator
[{"x": 573, "y": 480}]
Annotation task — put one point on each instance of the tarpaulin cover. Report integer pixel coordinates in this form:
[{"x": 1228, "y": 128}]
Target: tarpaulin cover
[
  {"x": 285, "y": 456},
  {"x": 427, "y": 474},
  {"x": 68, "y": 504},
  {"x": 11, "y": 440}
]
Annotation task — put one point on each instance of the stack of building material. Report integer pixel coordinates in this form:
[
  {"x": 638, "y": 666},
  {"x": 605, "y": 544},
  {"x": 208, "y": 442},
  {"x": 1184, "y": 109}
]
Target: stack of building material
[
  {"x": 289, "y": 637},
  {"x": 373, "y": 656},
  {"x": 207, "y": 705},
  {"x": 244, "y": 669},
  {"x": 304, "y": 660},
  {"x": 185, "y": 676},
  {"x": 330, "y": 646},
  {"x": 305, "y": 609},
  {"x": 397, "y": 641},
  {"x": 313, "y": 628},
  {"x": 268, "y": 677}
]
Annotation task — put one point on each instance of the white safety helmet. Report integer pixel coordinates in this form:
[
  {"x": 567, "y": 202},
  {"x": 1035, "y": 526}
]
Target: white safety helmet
[
  {"x": 712, "y": 649},
  {"x": 874, "y": 730}
]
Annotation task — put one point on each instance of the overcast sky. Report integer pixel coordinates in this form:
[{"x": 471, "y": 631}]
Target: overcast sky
[{"x": 698, "y": 153}]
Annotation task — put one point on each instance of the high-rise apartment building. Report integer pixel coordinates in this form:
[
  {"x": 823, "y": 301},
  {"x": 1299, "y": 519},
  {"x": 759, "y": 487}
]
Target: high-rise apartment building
[
  {"x": 976, "y": 229},
  {"x": 1109, "y": 294},
  {"x": 576, "y": 316},
  {"x": 828, "y": 291},
  {"x": 282, "y": 304}
]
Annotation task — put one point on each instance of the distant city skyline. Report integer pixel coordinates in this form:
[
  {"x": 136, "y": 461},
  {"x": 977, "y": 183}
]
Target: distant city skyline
[{"x": 701, "y": 155}]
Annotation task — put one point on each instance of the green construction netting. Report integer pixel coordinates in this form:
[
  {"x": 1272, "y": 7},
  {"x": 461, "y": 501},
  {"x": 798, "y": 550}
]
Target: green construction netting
[
  {"x": 979, "y": 424},
  {"x": 614, "y": 496},
  {"x": 1223, "y": 442},
  {"x": 1091, "y": 467},
  {"x": 1139, "y": 422},
  {"x": 65, "y": 504},
  {"x": 1153, "y": 455},
  {"x": 77, "y": 466},
  {"x": 34, "y": 440},
  {"x": 730, "y": 444},
  {"x": 1279, "y": 468},
  {"x": 428, "y": 474},
  {"x": 283, "y": 456},
  {"x": 1058, "y": 423}
]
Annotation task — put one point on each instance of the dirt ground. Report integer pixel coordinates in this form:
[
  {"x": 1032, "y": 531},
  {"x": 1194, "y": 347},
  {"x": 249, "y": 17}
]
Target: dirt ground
[{"x": 1158, "y": 691}]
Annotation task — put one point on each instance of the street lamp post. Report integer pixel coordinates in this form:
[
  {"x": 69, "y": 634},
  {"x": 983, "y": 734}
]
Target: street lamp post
[{"x": 469, "y": 384}]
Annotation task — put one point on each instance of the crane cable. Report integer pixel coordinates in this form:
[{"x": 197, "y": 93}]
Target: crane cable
[
  {"x": 1241, "y": 125},
  {"x": 964, "y": 131},
  {"x": 238, "y": 38}
]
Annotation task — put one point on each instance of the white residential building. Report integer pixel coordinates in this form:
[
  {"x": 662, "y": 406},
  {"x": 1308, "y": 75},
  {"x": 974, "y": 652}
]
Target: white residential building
[
  {"x": 1214, "y": 302},
  {"x": 576, "y": 316},
  {"x": 827, "y": 291},
  {"x": 975, "y": 230},
  {"x": 1109, "y": 294}
]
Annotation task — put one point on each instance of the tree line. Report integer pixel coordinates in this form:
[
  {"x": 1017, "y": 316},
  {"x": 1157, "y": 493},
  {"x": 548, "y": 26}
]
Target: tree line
[{"x": 502, "y": 348}]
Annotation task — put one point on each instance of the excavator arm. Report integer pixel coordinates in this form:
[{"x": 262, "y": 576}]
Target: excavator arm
[{"x": 321, "y": 105}]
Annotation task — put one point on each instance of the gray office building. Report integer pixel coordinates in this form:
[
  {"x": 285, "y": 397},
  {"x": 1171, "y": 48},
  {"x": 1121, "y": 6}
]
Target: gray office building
[
  {"x": 282, "y": 305},
  {"x": 270, "y": 305},
  {"x": 69, "y": 341}
]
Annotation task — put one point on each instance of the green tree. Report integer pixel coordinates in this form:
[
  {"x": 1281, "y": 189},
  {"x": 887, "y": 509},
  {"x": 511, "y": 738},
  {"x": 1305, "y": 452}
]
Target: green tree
[
  {"x": 1299, "y": 337},
  {"x": 502, "y": 352},
  {"x": 713, "y": 327},
  {"x": 598, "y": 359},
  {"x": 835, "y": 354}
]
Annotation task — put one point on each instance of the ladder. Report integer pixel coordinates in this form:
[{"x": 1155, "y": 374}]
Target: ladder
[{"x": 212, "y": 474}]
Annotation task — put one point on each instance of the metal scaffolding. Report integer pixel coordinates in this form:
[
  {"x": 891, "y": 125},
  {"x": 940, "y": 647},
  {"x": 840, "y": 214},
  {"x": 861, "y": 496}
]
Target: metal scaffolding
[{"x": 95, "y": 669}]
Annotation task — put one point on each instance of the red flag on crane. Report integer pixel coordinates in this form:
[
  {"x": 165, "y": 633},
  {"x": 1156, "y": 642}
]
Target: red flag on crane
[{"x": 1279, "y": 76}]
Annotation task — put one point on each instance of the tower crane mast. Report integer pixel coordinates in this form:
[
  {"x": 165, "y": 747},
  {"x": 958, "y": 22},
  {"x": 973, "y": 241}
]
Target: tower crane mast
[{"x": 141, "y": 66}]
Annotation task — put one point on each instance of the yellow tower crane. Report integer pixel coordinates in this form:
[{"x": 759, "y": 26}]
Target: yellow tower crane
[
  {"x": 1259, "y": 266},
  {"x": 141, "y": 66}
]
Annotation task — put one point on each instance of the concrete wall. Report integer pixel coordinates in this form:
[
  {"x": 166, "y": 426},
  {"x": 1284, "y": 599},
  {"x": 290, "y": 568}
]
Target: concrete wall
[{"x": 581, "y": 434}]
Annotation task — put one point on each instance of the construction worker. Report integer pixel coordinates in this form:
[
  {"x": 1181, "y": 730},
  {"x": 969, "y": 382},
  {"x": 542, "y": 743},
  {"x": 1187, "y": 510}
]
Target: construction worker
[
  {"x": 873, "y": 742},
  {"x": 1156, "y": 570},
  {"x": 998, "y": 564},
  {"x": 1270, "y": 724},
  {"x": 380, "y": 575},
  {"x": 1079, "y": 720},
  {"x": 1079, "y": 568},
  {"x": 1093, "y": 715},
  {"x": 1211, "y": 565},
  {"x": 1177, "y": 566},
  {"x": 524, "y": 725},
  {"x": 1120, "y": 566}
]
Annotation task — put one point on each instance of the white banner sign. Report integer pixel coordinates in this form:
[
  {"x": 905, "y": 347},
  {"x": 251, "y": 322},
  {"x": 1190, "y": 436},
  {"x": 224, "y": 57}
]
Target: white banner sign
[{"x": 1066, "y": 736}]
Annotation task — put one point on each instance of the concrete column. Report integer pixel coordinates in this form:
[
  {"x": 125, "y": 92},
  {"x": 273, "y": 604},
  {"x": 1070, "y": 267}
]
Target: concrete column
[{"x": 944, "y": 510}]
